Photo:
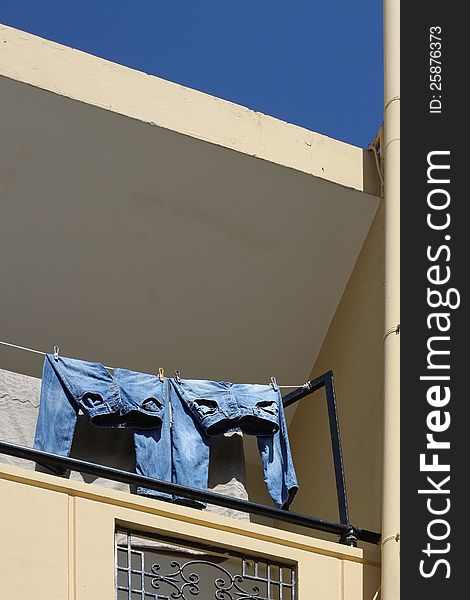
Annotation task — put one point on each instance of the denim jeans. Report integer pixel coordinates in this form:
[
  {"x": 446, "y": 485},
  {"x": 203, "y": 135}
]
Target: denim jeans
[
  {"x": 122, "y": 399},
  {"x": 205, "y": 408}
]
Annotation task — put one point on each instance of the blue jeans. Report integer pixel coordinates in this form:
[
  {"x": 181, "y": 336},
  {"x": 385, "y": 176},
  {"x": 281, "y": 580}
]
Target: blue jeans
[
  {"x": 205, "y": 408},
  {"x": 123, "y": 399}
]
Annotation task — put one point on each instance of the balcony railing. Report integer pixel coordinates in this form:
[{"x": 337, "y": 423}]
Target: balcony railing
[{"x": 348, "y": 534}]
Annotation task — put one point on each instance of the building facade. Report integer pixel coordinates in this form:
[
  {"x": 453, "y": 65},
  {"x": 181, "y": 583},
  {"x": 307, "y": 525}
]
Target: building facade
[{"x": 148, "y": 225}]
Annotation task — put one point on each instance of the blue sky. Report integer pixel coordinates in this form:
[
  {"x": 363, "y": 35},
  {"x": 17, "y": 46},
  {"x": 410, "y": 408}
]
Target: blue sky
[{"x": 314, "y": 63}]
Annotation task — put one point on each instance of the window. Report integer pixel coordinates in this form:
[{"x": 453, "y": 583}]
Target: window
[{"x": 149, "y": 568}]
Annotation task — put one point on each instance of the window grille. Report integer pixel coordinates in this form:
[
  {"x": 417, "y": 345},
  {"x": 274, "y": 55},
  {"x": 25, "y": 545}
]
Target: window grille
[{"x": 164, "y": 569}]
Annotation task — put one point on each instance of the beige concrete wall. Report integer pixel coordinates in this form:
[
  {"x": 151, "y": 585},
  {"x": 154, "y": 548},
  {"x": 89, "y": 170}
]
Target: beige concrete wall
[
  {"x": 353, "y": 349},
  {"x": 64, "y": 530},
  {"x": 75, "y": 74},
  {"x": 57, "y": 540},
  {"x": 33, "y": 543}
]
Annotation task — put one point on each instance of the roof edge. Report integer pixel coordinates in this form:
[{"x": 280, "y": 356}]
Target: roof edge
[{"x": 86, "y": 78}]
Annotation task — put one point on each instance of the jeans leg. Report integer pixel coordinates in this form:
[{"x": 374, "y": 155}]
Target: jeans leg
[
  {"x": 190, "y": 449},
  {"x": 278, "y": 467},
  {"x": 153, "y": 451},
  {"x": 57, "y": 416}
]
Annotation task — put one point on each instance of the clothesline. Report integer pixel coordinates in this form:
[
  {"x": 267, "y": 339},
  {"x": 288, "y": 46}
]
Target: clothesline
[{"x": 17, "y": 347}]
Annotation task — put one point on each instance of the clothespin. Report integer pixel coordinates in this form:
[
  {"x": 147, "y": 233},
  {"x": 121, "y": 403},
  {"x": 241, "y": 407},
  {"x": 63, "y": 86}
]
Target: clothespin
[
  {"x": 274, "y": 384},
  {"x": 161, "y": 374},
  {"x": 178, "y": 376},
  {"x": 56, "y": 352}
]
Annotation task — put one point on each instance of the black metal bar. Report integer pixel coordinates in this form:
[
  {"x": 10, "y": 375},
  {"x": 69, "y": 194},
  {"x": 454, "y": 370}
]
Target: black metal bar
[
  {"x": 306, "y": 390},
  {"x": 63, "y": 462},
  {"x": 326, "y": 381},
  {"x": 336, "y": 448}
]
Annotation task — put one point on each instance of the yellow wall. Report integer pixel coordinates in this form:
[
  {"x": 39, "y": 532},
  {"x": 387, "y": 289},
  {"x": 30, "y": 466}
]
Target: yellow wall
[
  {"x": 57, "y": 540},
  {"x": 353, "y": 350},
  {"x": 63, "y": 530}
]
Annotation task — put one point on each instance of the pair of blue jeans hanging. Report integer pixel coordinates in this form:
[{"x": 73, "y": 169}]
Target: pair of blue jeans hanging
[
  {"x": 202, "y": 409},
  {"x": 122, "y": 399}
]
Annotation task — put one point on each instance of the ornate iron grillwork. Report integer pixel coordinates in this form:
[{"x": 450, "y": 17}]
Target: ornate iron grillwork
[{"x": 162, "y": 569}]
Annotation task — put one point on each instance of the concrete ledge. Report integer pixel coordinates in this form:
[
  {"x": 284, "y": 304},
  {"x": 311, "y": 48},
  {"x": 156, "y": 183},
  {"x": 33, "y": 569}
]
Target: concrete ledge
[
  {"x": 180, "y": 513},
  {"x": 98, "y": 82}
]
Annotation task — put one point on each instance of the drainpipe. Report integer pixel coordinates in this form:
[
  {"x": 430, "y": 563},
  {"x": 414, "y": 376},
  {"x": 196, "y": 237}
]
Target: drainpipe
[{"x": 390, "y": 585}]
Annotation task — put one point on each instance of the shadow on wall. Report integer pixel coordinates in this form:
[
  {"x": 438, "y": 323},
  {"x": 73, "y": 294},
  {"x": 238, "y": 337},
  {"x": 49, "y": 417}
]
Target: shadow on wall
[{"x": 353, "y": 349}]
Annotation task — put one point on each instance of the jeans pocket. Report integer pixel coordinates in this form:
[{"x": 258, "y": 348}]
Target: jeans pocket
[
  {"x": 90, "y": 400},
  {"x": 205, "y": 407},
  {"x": 152, "y": 404},
  {"x": 268, "y": 407}
]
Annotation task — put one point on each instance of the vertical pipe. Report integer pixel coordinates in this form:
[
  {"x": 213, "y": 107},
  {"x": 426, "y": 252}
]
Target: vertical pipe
[{"x": 391, "y": 456}]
